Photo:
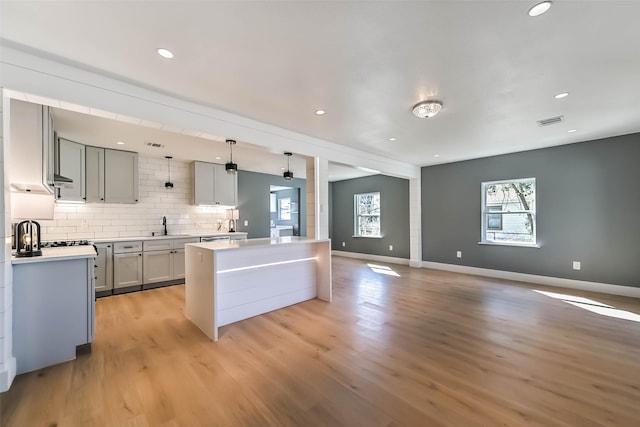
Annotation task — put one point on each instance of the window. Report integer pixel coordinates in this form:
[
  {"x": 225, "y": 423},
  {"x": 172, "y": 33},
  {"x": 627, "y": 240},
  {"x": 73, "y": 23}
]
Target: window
[
  {"x": 284, "y": 212},
  {"x": 494, "y": 221},
  {"x": 366, "y": 208},
  {"x": 509, "y": 211}
]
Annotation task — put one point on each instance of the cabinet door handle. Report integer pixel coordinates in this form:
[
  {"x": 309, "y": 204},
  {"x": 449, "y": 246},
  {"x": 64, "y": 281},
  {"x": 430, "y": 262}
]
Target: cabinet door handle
[
  {"x": 139, "y": 254},
  {"x": 127, "y": 247}
]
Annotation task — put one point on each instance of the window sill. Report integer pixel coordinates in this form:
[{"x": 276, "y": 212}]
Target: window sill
[
  {"x": 367, "y": 237},
  {"x": 521, "y": 245}
]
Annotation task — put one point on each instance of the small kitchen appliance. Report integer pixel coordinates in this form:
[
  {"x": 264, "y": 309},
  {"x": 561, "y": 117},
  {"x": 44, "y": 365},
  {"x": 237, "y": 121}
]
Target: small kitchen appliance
[{"x": 27, "y": 235}]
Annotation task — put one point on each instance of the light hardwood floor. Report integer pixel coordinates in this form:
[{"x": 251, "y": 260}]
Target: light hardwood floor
[{"x": 427, "y": 348}]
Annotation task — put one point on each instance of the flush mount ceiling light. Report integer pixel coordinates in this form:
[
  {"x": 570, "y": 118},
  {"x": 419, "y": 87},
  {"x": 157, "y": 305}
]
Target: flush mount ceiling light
[
  {"x": 562, "y": 95},
  {"x": 571, "y": 130},
  {"x": 288, "y": 175},
  {"x": 168, "y": 184},
  {"x": 540, "y": 8},
  {"x": 231, "y": 167},
  {"x": 392, "y": 139},
  {"x": 165, "y": 53},
  {"x": 320, "y": 112},
  {"x": 427, "y": 109},
  {"x": 119, "y": 142}
]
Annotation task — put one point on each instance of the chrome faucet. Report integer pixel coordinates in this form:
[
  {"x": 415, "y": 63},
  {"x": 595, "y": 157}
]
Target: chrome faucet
[{"x": 164, "y": 224}]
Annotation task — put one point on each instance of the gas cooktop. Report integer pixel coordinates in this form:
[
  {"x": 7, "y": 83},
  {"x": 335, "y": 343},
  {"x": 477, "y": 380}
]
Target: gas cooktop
[{"x": 65, "y": 243}]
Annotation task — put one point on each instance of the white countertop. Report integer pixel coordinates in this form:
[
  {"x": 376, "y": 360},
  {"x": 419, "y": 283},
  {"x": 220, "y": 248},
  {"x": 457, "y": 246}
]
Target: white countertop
[
  {"x": 58, "y": 254},
  {"x": 253, "y": 243},
  {"x": 170, "y": 236}
]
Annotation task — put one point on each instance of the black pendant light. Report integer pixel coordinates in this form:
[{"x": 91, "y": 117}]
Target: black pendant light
[
  {"x": 231, "y": 167},
  {"x": 169, "y": 184},
  {"x": 288, "y": 175}
]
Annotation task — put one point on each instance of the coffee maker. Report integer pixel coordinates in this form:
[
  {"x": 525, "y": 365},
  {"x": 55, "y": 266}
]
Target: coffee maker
[{"x": 27, "y": 235}]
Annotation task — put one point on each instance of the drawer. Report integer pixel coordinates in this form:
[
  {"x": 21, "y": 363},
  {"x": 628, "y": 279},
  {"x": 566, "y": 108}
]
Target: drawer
[
  {"x": 179, "y": 243},
  {"x": 158, "y": 245},
  {"x": 123, "y": 247}
]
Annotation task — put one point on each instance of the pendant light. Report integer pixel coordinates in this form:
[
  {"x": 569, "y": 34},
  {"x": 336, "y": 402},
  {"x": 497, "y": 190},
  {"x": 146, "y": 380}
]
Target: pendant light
[
  {"x": 288, "y": 175},
  {"x": 231, "y": 167},
  {"x": 169, "y": 184}
]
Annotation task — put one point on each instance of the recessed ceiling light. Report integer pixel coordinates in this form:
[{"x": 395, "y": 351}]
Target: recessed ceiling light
[
  {"x": 392, "y": 139},
  {"x": 119, "y": 142},
  {"x": 562, "y": 95},
  {"x": 218, "y": 158},
  {"x": 572, "y": 130},
  {"x": 281, "y": 169},
  {"x": 540, "y": 8},
  {"x": 165, "y": 53},
  {"x": 436, "y": 155},
  {"x": 320, "y": 112}
]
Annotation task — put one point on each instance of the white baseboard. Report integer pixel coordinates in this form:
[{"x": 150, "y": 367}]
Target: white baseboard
[
  {"x": 379, "y": 258},
  {"x": 627, "y": 291}
]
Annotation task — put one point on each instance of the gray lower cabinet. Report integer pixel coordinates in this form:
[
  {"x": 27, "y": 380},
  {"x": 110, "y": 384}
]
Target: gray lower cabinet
[
  {"x": 104, "y": 269},
  {"x": 163, "y": 260},
  {"x": 127, "y": 264},
  {"x": 53, "y": 311},
  {"x": 179, "y": 264},
  {"x": 158, "y": 266}
]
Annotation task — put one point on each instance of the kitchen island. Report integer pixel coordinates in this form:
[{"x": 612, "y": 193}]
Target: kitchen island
[
  {"x": 234, "y": 280},
  {"x": 53, "y": 306}
]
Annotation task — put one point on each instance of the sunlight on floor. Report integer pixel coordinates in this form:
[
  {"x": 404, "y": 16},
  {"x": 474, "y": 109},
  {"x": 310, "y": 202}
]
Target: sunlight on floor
[
  {"x": 593, "y": 306},
  {"x": 382, "y": 269},
  {"x": 565, "y": 297}
]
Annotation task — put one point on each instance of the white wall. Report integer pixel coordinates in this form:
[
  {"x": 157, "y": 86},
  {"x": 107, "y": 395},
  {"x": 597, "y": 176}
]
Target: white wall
[
  {"x": 106, "y": 220},
  {"x": 7, "y": 362}
]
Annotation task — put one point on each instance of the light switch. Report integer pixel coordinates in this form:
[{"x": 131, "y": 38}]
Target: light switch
[{"x": 246, "y": 223}]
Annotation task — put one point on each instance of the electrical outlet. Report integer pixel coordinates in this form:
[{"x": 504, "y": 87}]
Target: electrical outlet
[
  {"x": 246, "y": 223},
  {"x": 459, "y": 254},
  {"x": 390, "y": 247},
  {"x": 344, "y": 244},
  {"x": 576, "y": 265}
]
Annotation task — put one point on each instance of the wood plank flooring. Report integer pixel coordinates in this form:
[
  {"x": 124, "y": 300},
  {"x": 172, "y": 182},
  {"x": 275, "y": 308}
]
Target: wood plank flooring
[{"x": 427, "y": 348}]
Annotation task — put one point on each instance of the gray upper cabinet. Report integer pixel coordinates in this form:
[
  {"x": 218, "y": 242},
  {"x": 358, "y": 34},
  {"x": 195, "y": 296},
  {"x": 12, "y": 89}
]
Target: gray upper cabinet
[
  {"x": 70, "y": 162},
  {"x": 94, "y": 182},
  {"x": 121, "y": 176},
  {"x": 203, "y": 187},
  {"x": 213, "y": 185},
  {"x": 226, "y": 187}
]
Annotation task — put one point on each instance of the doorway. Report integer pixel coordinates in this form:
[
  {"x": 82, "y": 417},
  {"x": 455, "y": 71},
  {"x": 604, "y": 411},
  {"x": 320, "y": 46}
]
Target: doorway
[{"x": 284, "y": 204}]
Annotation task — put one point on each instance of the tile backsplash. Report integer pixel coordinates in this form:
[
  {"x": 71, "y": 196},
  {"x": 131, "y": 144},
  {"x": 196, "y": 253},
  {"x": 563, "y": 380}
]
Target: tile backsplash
[{"x": 107, "y": 220}]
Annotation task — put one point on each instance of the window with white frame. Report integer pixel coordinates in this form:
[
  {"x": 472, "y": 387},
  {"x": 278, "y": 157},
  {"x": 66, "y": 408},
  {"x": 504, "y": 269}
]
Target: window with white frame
[
  {"x": 509, "y": 211},
  {"x": 366, "y": 208}
]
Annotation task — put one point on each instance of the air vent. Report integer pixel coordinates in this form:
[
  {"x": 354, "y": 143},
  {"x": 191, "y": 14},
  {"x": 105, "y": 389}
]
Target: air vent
[
  {"x": 154, "y": 144},
  {"x": 551, "y": 121}
]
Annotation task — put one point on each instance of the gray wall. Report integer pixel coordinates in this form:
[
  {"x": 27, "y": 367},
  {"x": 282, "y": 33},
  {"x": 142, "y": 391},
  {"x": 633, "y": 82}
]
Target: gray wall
[
  {"x": 253, "y": 202},
  {"x": 394, "y": 216},
  {"x": 588, "y": 210}
]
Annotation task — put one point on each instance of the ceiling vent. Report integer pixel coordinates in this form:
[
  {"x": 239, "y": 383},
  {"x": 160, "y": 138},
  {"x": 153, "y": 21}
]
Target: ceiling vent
[
  {"x": 551, "y": 121},
  {"x": 154, "y": 144}
]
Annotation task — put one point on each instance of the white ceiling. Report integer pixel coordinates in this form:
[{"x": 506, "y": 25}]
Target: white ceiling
[{"x": 366, "y": 63}]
